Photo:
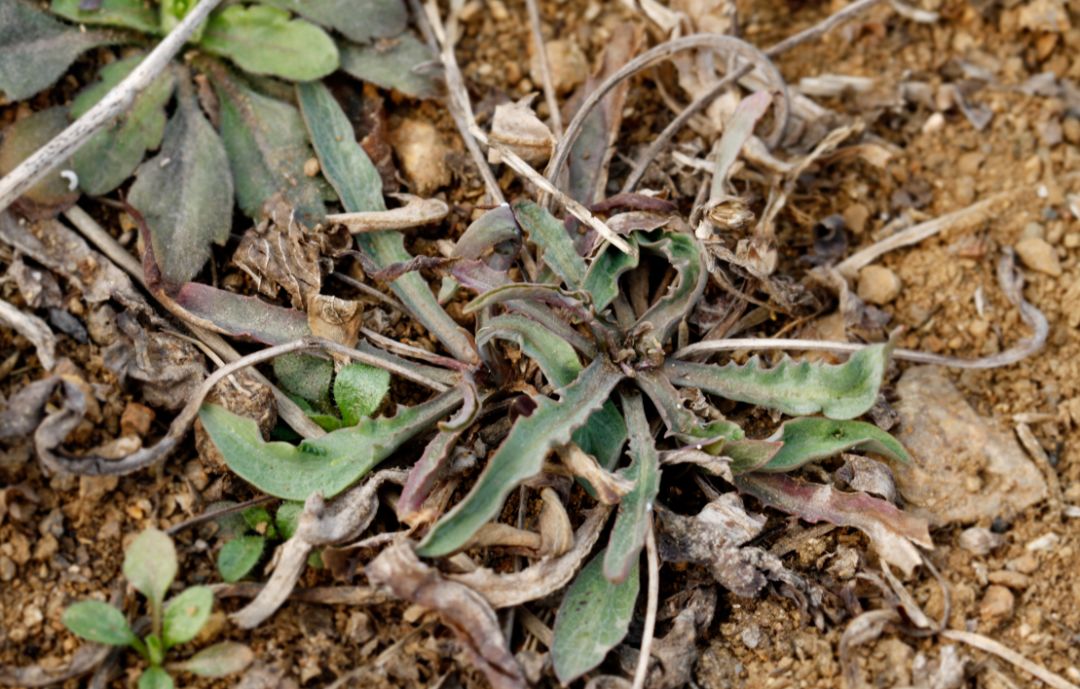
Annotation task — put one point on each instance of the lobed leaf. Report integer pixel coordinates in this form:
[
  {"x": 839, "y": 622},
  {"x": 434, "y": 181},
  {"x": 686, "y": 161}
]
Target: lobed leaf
[
  {"x": 892, "y": 531},
  {"x": 239, "y": 556},
  {"x": 680, "y": 421},
  {"x": 634, "y": 517},
  {"x": 266, "y": 40},
  {"x": 593, "y": 618},
  {"x": 545, "y": 231},
  {"x": 359, "y": 391},
  {"x": 219, "y": 660},
  {"x": 811, "y": 439},
  {"x": 52, "y": 194},
  {"x": 379, "y": 18},
  {"x": 841, "y": 391},
  {"x": 98, "y": 622},
  {"x": 36, "y": 50},
  {"x": 150, "y": 565},
  {"x": 264, "y": 139},
  {"x": 522, "y": 454},
  {"x": 684, "y": 254},
  {"x": 185, "y": 615},
  {"x": 358, "y": 184},
  {"x": 126, "y": 14},
  {"x": 329, "y": 464},
  {"x": 185, "y": 193},
  {"x": 155, "y": 677},
  {"x": 394, "y": 63}
]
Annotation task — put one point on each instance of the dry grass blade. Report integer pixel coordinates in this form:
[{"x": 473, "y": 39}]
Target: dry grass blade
[
  {"x": 987, "y": 644},
  {"x": 641, "y": 673},
  {"x": 119, "y": 99},
  {"x": 34, "y": 329}
]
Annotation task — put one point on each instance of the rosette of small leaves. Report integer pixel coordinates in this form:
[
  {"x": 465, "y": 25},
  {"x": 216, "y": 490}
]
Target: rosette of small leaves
[{"x": 150, "y": 566}]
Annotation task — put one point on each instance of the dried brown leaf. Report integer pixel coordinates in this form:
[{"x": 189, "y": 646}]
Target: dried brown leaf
[{"x": 517, "y": 127}]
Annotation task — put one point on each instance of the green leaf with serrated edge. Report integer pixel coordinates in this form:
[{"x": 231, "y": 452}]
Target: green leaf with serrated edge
[
  {"x": 841, "y": 391},
  {"x": 219, "y": 660},
  {"x": 52, "y": 194},
  {"x": 329, "y": 464},
  {"x": 98, "y": 622},
  {"x": 264, "y": 139},
  {"x": 684, "y": 254},
  {"x": 287, "y": 518},
  {"x": 545, "y": 231},
  {"x": 593, "y": 618},
  {"x": 680, "y": 421},
  {"x": 359, "y": 390},
  {"x": 305, "y": 375},
  {"x": 394, "y": 63},
  {"x": 522, "y": 454},
  {"x": 150, "y": 565},
  {"x": 634, "y": 517},
  {"x": 605, "y": 432},
  {"x": 379, "y": 18},
  {"x": 359, "y": 186},
  {"x": 155, "y": 678},
  {"x": 185, "y": 193},
  {"x": 811, "y": 439},
  {"x": 36, "y": 50},
  {"x": 185, "y": 615},
  {"x": 111, "y": 156},
  {"x": 126, "y": 14},
  {"x": 239, "y": 556},
  {"x": 602, "y": 280},
  {"x": 266, "y": 40}
]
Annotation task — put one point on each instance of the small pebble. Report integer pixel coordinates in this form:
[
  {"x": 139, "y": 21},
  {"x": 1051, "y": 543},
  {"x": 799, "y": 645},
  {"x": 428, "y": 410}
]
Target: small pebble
[
  {"x": 979, "y": 540},
  {"x": 1038, "y": 255},
  {"x": 1013, "y": 580},
  {"x": 1025, "y": 564},
  {"x": 878, "y": 285},
  {"x": 997, "y": 603},
  {"x": 136, "y": 420},
  {"x": 935, "y": 123},
  {"x": 855, "y": 217}
]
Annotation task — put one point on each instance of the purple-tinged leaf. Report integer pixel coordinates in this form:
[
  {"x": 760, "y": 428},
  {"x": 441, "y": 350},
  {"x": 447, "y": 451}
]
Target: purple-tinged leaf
[
  {"x": 53, "y": 193},
  {"x": 239, "y": 316},
  {"x": 634, "y": 517},
  {"x": 425, "y": 472},
  {"x": 527, "y": 291},
  {"x": 490, "y": 232},
  {"x": 522, "y": 454},
  {"x": 893, "y": 532}
]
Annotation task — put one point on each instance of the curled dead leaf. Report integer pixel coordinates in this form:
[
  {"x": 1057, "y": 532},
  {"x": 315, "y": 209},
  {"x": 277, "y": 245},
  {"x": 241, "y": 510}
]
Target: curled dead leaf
[
  {"x": 517, "y": 127},
  {"x": 609, "y": 487}
]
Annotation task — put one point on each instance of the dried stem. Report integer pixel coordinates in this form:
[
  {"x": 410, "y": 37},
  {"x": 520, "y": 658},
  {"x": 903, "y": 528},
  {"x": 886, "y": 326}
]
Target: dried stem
[
  {"x": 987, "y": 644},
  {"x": 119, "y": 99},
  {"x": 641, "y": 673},
  {"x": 545, "y": 68}
]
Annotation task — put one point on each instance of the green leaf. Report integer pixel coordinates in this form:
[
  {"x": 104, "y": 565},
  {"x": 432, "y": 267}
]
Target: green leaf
[
  {"x": 172, "y": 12},
  {"x": 185, "y": 193},
  {"x": 239, "y": 556},
  {"x": 98, "y": 622},
  {"x": 267, "y": 149},
  {"x": 394, "y": 63},
  {"x": 522, "y": 454},
  {"x": 186, "y": 614},
  {"x": 155, "y": 649},
  {"x": 265, "y": 40},
  {"x": 545, "y": 231},
  {"x": 52, "y": 194},
  {"x": 684, "y": 254},
  {"x": 155, "y": 678},
  {"x": 602, "y": 280},
  {"x": 150, "y": 565},
  {"x": 841, "y": 391},
  {"x": 329, "y": 464},
  {"x": 288, "y": 518},
  {"x": 257, "y": 518},
  {"x": 110, "y": 156},
  {"x": 811, "y": 439},
  {"x": 680, "y": 421},
  {"x": 36, "y": 50},
  {"x": 359, "y": 390},
  {"x": 127, "y": 14},
  {"x": 634, "y": 517},
  {"x": 219, "y": 660},
  {"x": 230, "y": 525},
  {"x": 593, "y": 618},
  {"x": 379, "y": 18},
  {"x": 359, "y": 186},
  {"x": 605, "y": 431},
  {"x": 306, "y": 376},
  {"x": 240, "y": 316}
]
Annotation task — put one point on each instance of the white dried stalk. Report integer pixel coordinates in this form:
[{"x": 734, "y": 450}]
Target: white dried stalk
[
  {"x": 416, "y": 212},
  {"x": 545, "y": 68},
  {"x": 119, "y": 99}
]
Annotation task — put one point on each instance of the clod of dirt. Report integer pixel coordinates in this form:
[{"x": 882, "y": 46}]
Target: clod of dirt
[
  {"x": 997, "y": 604},
  {"x": 878, "y": 285},
  {"x": 964, "y": 468},
  {"x": 422, "y": 153},
  {"x": 1038, "y": 254}
]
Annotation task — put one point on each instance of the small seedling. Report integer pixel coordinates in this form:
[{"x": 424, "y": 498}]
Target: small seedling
[
  {"x": 150, "y": 566},
  {"x": 247, "y": 535}
]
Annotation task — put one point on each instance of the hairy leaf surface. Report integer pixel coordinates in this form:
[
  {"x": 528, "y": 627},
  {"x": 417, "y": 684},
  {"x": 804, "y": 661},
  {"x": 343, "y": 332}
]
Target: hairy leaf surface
[
  {"x": 266, "y": 40},
  {"x": 150, "y": 564},
  {"x": 593, "y": 618},
  {"x": 394, "y": 63},
  {"x": 219, "y": 660},
  {"x": 329, "y": 464},
  {"x": 99, "y": 622},
  {"x": 126, "y": 14},
  {"x": 359, "y": 390},
  {"x": 239, "y": 556},
  {"x": 522, "y": 454},
  {"x": 21, "y": 139},
  {"x": 811, "y": 439},
  {"x": 634, "y": 517},
  {"x": 602, "y": 279},
  {"x": 378, "y": 18},
  {"x": 185, "y": 615},
  {"x": 545, "y": 231},
  {"x": 841, "y": 391},
  {"x": 242, "y": 316}
]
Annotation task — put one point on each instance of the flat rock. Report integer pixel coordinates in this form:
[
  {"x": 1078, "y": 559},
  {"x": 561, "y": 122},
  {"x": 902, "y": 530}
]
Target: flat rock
[{"x": 965, "y": 468}]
